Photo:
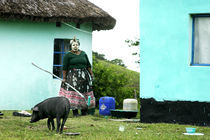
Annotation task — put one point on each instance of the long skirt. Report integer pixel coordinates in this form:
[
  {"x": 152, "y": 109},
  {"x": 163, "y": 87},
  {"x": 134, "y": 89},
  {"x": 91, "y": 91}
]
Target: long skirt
[{"x": 81, "y": 81}]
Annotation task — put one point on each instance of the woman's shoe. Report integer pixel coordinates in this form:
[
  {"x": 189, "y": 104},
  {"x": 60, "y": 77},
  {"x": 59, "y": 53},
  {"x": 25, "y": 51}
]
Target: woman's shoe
[
  {"x": 75, "y": 113},
  {"x": 84, "y": 112}
]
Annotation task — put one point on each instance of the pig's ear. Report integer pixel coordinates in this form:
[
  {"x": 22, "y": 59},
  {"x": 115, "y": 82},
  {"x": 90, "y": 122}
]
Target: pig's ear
[{"x": 35, "y": 109}]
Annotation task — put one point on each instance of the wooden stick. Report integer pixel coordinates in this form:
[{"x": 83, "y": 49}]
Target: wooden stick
[{"x": 60, "y": 80}]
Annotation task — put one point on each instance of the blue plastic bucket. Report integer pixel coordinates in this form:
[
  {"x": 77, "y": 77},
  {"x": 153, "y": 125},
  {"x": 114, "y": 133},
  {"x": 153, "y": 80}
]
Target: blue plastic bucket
[{"x": 105, "y": 104}]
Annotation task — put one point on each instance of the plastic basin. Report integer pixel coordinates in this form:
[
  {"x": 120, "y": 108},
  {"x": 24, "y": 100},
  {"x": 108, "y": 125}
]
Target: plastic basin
[
  {"x": 123, "y": 113},
  {"x": 190, "y": 130}
]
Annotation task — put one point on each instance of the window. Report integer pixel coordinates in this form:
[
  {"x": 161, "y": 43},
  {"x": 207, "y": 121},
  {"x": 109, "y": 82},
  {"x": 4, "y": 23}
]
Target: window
[
  {"x": 61, "y": 46},
  {"x": 200, "y": 40}
]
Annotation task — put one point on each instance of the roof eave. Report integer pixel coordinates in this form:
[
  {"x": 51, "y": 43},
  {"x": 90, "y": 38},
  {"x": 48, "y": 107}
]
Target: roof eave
[{"x": 98, "y": 23}]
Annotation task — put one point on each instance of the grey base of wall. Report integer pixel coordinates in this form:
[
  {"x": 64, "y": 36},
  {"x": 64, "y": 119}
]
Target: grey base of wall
[{"x": 182, "y": 112}]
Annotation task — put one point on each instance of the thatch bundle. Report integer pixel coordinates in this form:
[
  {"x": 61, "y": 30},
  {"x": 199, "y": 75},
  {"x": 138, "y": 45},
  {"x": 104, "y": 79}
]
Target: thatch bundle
[{"x": 78, "y": 11}]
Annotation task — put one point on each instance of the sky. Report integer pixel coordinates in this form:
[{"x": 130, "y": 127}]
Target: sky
[{"x": 111, "y": 43}]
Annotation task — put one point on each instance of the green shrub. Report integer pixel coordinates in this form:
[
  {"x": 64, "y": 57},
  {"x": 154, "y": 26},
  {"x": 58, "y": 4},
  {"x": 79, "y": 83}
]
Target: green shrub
[{"x": 114, "y": 81}]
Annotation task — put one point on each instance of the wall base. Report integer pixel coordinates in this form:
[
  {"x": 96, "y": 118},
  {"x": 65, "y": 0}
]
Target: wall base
[{"x": 182, "y": 112}]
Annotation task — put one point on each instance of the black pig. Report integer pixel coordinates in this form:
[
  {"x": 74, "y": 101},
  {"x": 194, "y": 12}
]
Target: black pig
[{"x": 55, "y": 107}]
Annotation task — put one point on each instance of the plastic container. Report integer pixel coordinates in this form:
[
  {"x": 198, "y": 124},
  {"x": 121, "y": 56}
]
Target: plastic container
[
  {"x": 105, "y": 104},
  {"x": 121, "y": 128},
  {"x": 130, "y": 104},
  {"x": 190, "y": 130}
]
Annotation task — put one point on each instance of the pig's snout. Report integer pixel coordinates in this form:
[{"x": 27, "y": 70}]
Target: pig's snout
[{"x": 33, "y": 120}]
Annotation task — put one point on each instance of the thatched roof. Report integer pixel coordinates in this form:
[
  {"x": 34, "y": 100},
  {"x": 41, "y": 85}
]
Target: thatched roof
[{"x": 78, "y": 11}]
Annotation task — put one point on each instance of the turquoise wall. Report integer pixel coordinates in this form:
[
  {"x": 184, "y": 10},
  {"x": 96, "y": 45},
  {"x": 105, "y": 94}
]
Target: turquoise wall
[
  {"x": 165, "y": 49},
  {"x": 21, "y": 43}
]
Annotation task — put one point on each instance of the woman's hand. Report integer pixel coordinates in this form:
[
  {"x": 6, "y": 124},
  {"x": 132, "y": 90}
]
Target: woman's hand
[
  {"x": 64, "y": 76},
  {"x": 92, "y": 77},
  {"x": 64, "y": 80}
]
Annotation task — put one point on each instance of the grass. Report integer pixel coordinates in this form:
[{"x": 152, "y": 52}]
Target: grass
[{"x": 93, "y": 128}]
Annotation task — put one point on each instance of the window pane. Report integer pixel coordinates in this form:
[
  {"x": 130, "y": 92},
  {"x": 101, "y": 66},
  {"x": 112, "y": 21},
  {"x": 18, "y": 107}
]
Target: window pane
[
  {"x": 201, "y": 40},
  {"x": 57, "y": 59},
  {"x": 57, "y": 71},
  {"x": 66, "y": 45},
  {"x": 57, "y": 45}
]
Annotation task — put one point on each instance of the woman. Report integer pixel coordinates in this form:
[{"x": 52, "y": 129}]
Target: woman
[{"x": 77, "y": 72}]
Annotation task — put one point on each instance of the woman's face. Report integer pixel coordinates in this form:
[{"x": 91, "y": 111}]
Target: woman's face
[{"x": 75, "y": 46}]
